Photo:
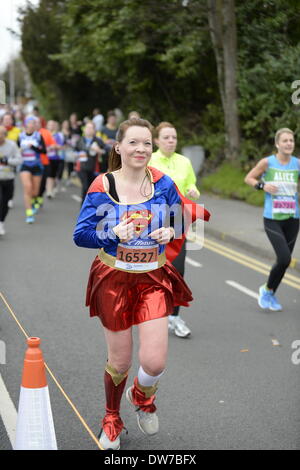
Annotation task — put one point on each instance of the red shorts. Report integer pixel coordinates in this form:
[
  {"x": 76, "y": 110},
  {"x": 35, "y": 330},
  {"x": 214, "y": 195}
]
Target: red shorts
[{"x": 122, "y": 299}]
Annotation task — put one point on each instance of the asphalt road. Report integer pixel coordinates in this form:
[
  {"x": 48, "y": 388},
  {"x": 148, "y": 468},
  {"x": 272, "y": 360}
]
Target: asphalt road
[{"x": 232, "y": 385}]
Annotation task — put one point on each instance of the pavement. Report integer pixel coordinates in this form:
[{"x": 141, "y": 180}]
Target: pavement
[{"x": 239, "y": 223}]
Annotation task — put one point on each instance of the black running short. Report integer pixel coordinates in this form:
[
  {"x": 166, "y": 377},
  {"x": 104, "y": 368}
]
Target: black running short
[
  {"x": 53, "y": 168},
  {"x": 35, "y": 170}
]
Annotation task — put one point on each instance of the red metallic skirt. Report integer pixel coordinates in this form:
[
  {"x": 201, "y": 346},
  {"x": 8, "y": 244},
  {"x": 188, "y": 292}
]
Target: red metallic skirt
[{"x": 123, "y": 299}]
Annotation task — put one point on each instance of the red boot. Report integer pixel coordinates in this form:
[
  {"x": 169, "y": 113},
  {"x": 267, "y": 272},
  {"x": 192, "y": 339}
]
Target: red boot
[
  {"x": 142, "y": 398},
  {"x": 112, "y": 423}
]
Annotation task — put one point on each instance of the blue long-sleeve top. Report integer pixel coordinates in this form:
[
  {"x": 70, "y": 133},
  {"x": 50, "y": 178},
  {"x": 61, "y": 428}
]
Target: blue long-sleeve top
[{"x": 100, "y": 213}]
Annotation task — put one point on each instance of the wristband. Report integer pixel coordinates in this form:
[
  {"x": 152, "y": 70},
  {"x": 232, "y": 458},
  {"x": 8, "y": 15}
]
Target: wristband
[{"x": 260, "y": 185}]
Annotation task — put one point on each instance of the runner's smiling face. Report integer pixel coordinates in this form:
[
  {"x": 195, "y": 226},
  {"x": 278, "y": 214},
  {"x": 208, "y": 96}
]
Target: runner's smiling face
[
  {"x": 136, "y": 147},
  {"x": 286, "y": 144},
  {"x": 167, "y": 140}
]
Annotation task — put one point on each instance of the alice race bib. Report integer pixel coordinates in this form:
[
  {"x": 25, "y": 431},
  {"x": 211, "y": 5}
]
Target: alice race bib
[{"x": 284, "y": 205}]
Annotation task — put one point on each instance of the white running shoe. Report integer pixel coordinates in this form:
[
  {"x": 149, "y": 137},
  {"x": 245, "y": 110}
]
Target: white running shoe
[
  {"x": 10, "y": 203},
  {"x": 107, "y": 443},
  {"x": 178, "y": 326},
  {"x": 2, "y": 229},
  {"x": 147, "y": 422}
]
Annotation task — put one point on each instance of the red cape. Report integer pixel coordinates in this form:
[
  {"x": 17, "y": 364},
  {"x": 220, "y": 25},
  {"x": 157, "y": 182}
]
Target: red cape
[{"x": 191, "y": 211}]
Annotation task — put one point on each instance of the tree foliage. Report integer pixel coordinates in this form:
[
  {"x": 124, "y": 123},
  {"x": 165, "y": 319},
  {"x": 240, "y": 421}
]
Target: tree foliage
[
  {"x": 157, "y": 57},
  {"x": 269, "y": 62},
  {"x": 152, "y": 53},
  {"x": 58, "y": 91}
]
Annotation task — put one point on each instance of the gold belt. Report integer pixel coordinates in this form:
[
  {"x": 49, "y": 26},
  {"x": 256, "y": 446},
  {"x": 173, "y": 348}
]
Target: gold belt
[{"x": 110, "y": 260}]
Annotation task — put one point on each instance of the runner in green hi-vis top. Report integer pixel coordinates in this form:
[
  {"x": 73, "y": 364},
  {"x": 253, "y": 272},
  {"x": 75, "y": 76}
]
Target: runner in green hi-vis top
[
  {"x": 278, "y": 176},
  {"x": 180, "y": 169}
]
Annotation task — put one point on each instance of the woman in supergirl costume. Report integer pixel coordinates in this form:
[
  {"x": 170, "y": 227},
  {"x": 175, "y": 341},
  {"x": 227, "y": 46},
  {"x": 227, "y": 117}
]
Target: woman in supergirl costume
[{"x": 131, "y": 283}]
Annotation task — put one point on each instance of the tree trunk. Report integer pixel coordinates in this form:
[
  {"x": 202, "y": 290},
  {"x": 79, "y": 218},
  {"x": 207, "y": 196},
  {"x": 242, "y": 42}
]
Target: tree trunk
[{"x": 222, "y": 24}]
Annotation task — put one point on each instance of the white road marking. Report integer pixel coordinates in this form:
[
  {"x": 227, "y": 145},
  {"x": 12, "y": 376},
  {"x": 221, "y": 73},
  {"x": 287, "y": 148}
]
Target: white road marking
[
  {"x": 8, "y": 412},
  {"x": 193, "y": 263},
  {"x": 243, "y": 289},
  {"x": 76, "y": 198},
  {"x": 253, "y": 294}
]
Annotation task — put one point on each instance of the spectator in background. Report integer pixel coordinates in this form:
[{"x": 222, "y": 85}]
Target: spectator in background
[
  {"x": 133, "y": 114},
  {"x": 36, "y": 113},
  {"x": 90, "y": 149},
  {"x": 75, "y": 125},
  {"x": 109, "y": 131},
  {"x": 19, "y": 118},
  {"x": 85, "y": 120},
  {"x": 68, "y": 149},
  {"x": 98, "y": 119},
  {"x": 54, "y": 158},
  {"x": 13, "y": 133},
  {"x": 119, "y": 116},
  {"x": 62, "y": 155},
  {"x": 49, "y": 141},
  {"x": 75, "y": 130},
  {"x": 10, "y": 157},
  {"x": 4, "y": 109}
]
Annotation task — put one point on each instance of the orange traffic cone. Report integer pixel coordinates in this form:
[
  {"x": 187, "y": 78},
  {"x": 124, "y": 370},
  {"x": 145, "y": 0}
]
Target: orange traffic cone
[{"x": 35, "y": 428}]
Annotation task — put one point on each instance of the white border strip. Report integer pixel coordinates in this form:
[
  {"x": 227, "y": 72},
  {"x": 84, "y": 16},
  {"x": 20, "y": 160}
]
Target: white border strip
[{"x": 8, "y": 412}]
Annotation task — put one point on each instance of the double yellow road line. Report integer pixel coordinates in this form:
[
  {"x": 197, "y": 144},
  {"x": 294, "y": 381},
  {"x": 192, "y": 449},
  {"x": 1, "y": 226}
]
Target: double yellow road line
[{"x": 248, "y": 261}]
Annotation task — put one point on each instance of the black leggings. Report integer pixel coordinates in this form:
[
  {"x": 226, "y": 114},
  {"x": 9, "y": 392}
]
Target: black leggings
[
  {"x": 86, "y": 178},
  {"x": 53, "y": 168},
  {"x": 282, "y": 235},
  {"x": 6, "y": 191},
  {"x": 43, "y": 180},
  {"x": 179, "y": 264}
]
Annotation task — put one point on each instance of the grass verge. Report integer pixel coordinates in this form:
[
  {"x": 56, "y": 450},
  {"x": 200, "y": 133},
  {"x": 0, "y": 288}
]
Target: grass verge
[{"x": 228, "y": 182}]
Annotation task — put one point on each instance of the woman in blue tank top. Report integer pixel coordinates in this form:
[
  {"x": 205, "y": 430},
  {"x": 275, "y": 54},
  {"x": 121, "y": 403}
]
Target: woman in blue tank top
[
  {"x": 278, "y": 176},
  {"x": 31, "y": 144}
]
